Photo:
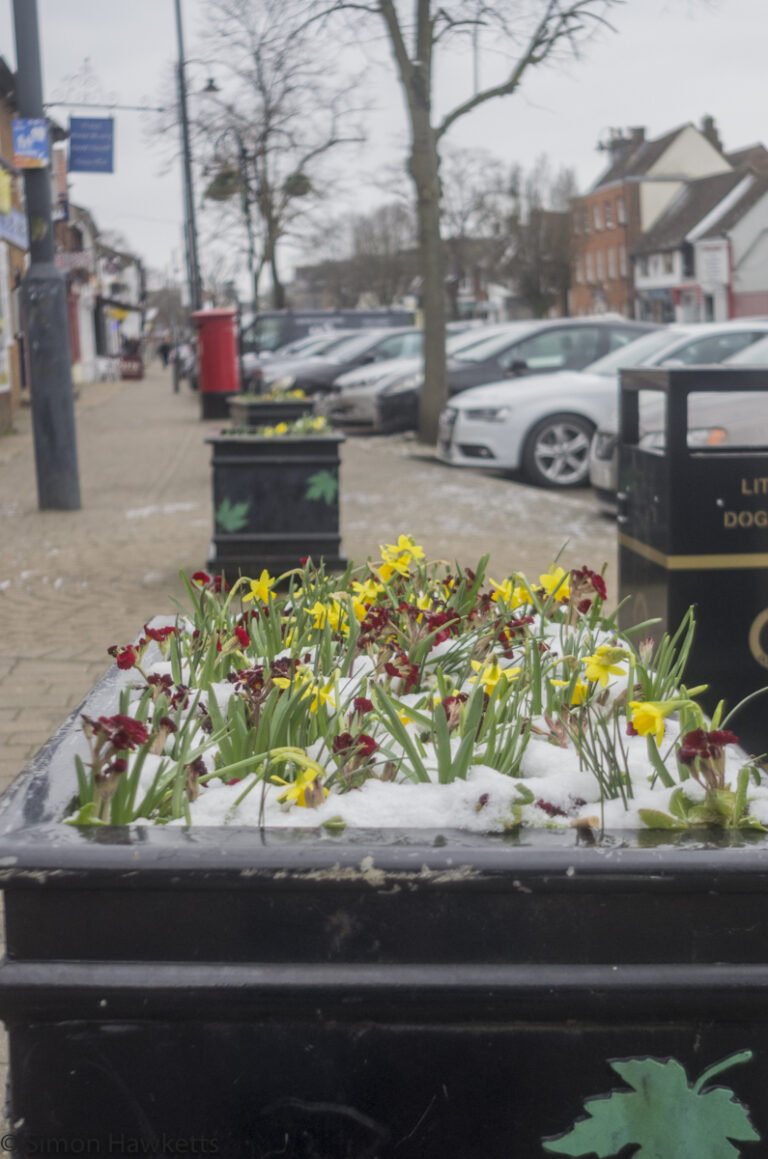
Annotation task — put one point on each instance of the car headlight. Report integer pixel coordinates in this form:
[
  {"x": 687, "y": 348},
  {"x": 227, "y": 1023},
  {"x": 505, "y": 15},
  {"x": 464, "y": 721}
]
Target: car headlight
[
  {"x": 697, "y": 437},
  {"x": 412, "y": 382},
  {"x": 284, "y": 383},
  {"x": 488, "y": 414}
]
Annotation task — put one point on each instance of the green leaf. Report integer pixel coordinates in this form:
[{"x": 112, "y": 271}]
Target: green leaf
[
  {"x": 232, "y": 516},
  {"x": 662, "y": 1114},
  {"x": 655, "y": 819},
  {"x": 322, "y": 485}
]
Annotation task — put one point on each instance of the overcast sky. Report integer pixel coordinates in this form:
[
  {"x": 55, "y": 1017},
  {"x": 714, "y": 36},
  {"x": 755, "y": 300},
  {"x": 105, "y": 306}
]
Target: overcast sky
[{"x": 669, "y": 62}]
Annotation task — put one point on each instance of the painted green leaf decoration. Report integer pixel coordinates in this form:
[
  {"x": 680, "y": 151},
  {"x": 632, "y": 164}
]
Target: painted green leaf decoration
[
  {"x": 322, "y": 485},
  {"x": 665, "y": 1116},
  {"x": 232, "y": 516}
]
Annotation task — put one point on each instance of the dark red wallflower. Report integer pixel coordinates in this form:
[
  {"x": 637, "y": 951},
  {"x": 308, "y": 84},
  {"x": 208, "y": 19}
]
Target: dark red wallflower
[
  {"x": 219, "y": 584},
  {"x": 201, "y": 577},
  {"x": 159, "y": 634},
  {"x": 342, "y": 742},
  {"x": 366, "y": 744},
  {"x": 362, "y": 704},
  {"x": 706, "y": 745},
  {"x": 583, "y": 578},
  {"x": 550, "y": 809},
  {"x": 125, "y": 657},
  {"x": 243, "y": 636},
  {"x": 121, "y": 731},
  {"x": 402, "y": 667}
]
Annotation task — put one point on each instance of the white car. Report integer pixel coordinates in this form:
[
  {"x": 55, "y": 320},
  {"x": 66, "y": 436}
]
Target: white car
[
  {"x": 353, "y": 395},
  {"x": 543, "y": 425},
  {"x": 741, "y": 342}
]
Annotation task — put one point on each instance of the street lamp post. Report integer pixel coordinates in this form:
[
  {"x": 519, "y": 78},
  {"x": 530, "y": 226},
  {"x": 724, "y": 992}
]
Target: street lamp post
[
  {"x": 44, "y": 299},
  {"x": 190, "y": 225}
]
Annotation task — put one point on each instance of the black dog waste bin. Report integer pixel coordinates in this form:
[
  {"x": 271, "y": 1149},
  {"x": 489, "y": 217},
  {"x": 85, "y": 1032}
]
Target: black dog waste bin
[{"x": 693, "y": 523}]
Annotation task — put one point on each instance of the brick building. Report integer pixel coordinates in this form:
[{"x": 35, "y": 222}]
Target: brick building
[{"x": 642, "y": 179}]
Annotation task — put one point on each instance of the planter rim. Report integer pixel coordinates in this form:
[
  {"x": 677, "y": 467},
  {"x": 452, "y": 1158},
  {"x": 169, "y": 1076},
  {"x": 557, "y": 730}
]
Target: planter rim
[{"x": 223, "y": 435}]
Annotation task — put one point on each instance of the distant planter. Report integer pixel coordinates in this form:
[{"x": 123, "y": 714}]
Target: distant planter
[
  {"x": 254, "y": 410},
  {"x": 275, "y": 498}
]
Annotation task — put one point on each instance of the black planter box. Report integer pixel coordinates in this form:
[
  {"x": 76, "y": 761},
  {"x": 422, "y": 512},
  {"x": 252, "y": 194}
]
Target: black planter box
[
  {"x": 251, "y": 410},
  {"x": 275, "y": 501},
  {"x": 372, "y": 994},
  {"x": 214, "y": 404}
]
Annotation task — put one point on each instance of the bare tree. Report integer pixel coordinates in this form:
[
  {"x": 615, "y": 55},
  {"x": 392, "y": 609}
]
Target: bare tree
[
  {"x": 266, "y": 129},
  {"x": 534, "y": 31},
  {"x": 538, "y": 231}
]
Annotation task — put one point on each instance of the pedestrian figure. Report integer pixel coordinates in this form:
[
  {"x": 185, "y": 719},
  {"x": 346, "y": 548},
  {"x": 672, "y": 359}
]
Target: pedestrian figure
[{"x": 165, "y": 351}]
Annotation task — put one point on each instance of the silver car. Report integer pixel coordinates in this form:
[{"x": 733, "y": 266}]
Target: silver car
[{"x": 738, "y": 342}]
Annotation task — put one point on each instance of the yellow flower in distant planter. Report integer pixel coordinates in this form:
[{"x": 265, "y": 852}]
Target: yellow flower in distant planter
[
  {"x": 281, "y": 429},
  {"x": 261, "y": 589},
  {"x": 604, "y": 663}
]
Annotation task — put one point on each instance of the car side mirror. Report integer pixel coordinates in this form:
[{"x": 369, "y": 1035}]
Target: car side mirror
[{"x": 519, "y": 366}]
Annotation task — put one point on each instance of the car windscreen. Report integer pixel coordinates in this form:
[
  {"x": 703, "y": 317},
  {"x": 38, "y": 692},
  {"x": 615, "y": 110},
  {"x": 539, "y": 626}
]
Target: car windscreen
[
  {"x": 351, "y": 347},
  {"x": 633, "y": 354},
  {"x": 754, "y": 355},
  {"x": 490, "y": 347}
]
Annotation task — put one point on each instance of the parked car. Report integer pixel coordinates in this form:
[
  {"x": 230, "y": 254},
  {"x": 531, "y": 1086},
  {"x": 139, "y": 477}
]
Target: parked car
[
  {"x": 270, "y": 329},
  {"x": 316, "y": 375},
  {"x": 353, "y": 395},
  {"x": 529, "y": 347},
  {"x": 253, "y": 364},
  {"x": 738, "y": 342}
]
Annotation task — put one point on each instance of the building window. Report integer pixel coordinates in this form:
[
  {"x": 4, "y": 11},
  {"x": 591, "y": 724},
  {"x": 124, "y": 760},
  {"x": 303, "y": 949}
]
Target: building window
[
  {"x": 577, "y": 221},
  {"x": 597, "y": 220},
  {"x": 589, "y": 270},
  {"x": 688, "y": 260},
  {"x": 608, "y": 213},
  {"x": 611, "y": 263},
  {"x": 579, "y": 270},
  {"x": 621, "y": 212},
  {"x": 644, "y": 267},
  {"x": 623, "y": 261},
  {"x": 668, "y": 260},
  {"x": 600, "y": 266}
]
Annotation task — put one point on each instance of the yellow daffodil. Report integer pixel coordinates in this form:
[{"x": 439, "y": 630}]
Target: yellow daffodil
[
  {"x": 509, "y": 593},
  {"x": 648, "y": 716},
  {"x": 489, "y": 675},
  {"x": 579, "y": 693},
  {"x": 281, "y": 429},
  {"x": 405, "y": 546},
  {"x": 321, "y": 694},
  {"x": 261, "y": 589},
  {"x": 399, "y": 564},
  {"x": 604, "y": 663},
  {"x": 556, "y": 581},
  {"x": 368, "y": 591},
  {"x": 268, "y": 432},
  {"x": 306, "y": 781},
  {"x": 319, "y": 423}
]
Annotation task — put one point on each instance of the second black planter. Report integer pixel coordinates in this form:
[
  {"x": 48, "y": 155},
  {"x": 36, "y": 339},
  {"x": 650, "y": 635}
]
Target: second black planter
[{"x": 275, "y": 501}]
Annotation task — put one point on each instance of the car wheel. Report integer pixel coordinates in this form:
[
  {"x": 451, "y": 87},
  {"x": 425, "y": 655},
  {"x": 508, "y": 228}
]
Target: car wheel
[{"x": 556, "y": 451}]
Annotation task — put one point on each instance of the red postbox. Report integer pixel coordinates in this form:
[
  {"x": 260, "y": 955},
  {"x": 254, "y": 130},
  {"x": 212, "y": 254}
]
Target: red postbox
[{"x": 218, "y": 363}]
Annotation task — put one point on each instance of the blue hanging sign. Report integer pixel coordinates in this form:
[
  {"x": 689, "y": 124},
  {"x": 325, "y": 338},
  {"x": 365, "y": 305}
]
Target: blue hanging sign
[
  {"x": 91, "y": 144},
  {"x": 30, "y": 143}
]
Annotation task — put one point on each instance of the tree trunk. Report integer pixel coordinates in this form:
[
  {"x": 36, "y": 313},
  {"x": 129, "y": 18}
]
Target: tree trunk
[
  {"x": 424, "y": 169},
  {"x": 278, "y": 289}
]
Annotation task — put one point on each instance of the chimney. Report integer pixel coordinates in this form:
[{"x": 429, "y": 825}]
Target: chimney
[
  {"x": 637, "y": 136},
  {"x": 709, "y": 129}
]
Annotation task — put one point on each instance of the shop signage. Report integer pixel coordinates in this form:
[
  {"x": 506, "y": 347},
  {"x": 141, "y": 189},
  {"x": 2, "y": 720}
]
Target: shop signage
[{"x": 91, "y": 144}]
